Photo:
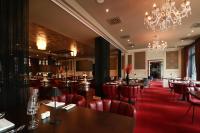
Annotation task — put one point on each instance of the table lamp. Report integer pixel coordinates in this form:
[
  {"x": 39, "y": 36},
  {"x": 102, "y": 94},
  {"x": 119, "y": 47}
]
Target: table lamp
[{"x": 55, "y": 92}]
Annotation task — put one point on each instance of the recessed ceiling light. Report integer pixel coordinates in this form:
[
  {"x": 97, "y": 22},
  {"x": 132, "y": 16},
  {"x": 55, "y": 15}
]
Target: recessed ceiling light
[
  {"x": 100, "y": 1},
  {"x": 192, "y": 31},
  {"x": 132, "y": 46},
  {"x": 107, "y": 10},
  {"x": 128, "y": 40},
  {"x": 121, "y": 30}
]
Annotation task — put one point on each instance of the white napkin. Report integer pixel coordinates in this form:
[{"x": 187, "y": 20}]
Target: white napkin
[
  {"x": 58, "y": 104},
  {"x": 5, "y": 124},
  {"x": 69, "y": 106}
]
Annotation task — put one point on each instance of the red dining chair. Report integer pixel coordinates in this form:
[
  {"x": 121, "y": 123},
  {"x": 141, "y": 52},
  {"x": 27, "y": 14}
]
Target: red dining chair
[
  {"x": 113, "y": 106},
  {"x": 128, "y": 93},
  {"x": 111, "y": 91},
  {"x": 171, "y": 86},
  {"x": 71, "y": 98},
  {"x": 194, "y": 102},
  {"x": 180, "y": 89}
]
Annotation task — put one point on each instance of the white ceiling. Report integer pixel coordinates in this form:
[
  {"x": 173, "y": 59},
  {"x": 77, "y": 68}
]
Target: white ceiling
[
  {"x": 47, "y": 14},
  {"x": 131, "y": 12}
]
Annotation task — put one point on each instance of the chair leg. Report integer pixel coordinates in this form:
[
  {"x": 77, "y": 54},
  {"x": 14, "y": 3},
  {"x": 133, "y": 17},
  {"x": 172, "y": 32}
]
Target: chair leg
[
  {"x": 188, "y": 110},
  {"x": 193, "y": 113}
]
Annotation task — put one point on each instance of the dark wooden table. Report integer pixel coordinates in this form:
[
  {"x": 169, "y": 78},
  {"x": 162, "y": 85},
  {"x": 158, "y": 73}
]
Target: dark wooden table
[{"x": 76, "y": 120}]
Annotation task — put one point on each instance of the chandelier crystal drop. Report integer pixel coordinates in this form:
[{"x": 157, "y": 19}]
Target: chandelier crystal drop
[{"x": 160, "y": 19}]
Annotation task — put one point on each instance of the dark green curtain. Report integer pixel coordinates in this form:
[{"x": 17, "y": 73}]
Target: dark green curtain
[{"x": 184, "y": 59}]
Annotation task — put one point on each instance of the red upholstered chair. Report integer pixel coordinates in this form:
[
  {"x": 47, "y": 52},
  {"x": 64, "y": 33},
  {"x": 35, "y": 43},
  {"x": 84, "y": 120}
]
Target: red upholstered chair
[
  {"x": 113, "y": 106},
  {"x": 111, "y": 91},
  {"x": 193, "y": 101},
  {"x": 72, "y": 98},
  {"x": 181, "y": 89},
  {"x": 170, "y": 85},
  {"x": 128, "y": 93}
]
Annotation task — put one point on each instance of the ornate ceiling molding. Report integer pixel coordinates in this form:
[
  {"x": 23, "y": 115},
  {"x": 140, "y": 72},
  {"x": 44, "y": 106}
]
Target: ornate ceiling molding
[{"x": 73, "y": 8}]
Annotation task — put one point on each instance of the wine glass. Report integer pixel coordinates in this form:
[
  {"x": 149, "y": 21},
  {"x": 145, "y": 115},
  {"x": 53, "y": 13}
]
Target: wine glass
[{"x": 32, "y": 109}]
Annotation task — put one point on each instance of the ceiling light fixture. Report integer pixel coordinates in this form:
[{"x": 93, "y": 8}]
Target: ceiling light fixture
[
  {"x": 160, "y": 19},
  {"x": 121, "y": 30},
  {"x": 157, "y": 44},
  {"x": 100, "y": 1},
  {"x": 41, "y": 42},
  {"x": 107, "y": 10},
  {"x": 73, "y": 49}
]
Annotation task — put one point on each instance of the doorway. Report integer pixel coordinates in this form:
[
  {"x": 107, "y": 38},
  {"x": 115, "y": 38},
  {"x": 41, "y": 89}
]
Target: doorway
[{"x": 155, "y": 69}]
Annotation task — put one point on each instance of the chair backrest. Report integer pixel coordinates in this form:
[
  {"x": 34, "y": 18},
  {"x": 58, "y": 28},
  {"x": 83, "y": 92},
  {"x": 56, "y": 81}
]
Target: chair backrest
[
  {"x": 178, "y": 88},
  {"x": 79, "y": 100},
  {"x": 71, "y": 98},
  {"x": 170, "y": 84},
  {"x": 113, "y": 106},
  {"x": 111, "y": 91},
  {"x": 128, "y": 91}
]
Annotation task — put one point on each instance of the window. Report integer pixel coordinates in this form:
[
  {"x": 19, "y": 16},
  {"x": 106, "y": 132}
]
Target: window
[{"x": 191, "y": 69}]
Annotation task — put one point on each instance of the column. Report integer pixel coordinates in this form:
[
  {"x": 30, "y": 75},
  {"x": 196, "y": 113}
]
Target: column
[
  {"x": 102, "y": 64},
  {"x": 13, "y": 53},
  {"x": 119, "y": 63}
]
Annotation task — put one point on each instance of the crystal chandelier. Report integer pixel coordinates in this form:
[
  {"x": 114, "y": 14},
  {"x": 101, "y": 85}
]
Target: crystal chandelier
[
  {"x": 160, "y": 19},
  {"x": 157, "y": 44}
]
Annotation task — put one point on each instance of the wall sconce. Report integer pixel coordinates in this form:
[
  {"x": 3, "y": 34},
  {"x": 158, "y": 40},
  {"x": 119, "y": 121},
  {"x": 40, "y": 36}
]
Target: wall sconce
[
  {"x": 41, "y": 42},
  {"x": 73, "y": 53},
  {"x": 73, "y": 49}
]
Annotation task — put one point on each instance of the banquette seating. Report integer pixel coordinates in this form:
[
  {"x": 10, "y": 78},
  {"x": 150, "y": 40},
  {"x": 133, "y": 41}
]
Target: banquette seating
[
  {"x": 71, "y": 98},
  {"x": 113, "y": 106},
  {"x": 128, "y": 93},
  {"x": 111, "y": 91}
]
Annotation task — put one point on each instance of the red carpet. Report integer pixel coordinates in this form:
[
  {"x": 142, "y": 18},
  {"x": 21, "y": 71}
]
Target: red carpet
[{"x": 159, "y": 112}]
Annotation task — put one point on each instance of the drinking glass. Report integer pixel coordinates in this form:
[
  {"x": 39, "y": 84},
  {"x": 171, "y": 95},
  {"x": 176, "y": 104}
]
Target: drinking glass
[{"x": 32, "y": 109}]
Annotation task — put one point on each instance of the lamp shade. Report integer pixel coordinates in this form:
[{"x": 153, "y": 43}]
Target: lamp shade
[{"x": 55, "y": 92}]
